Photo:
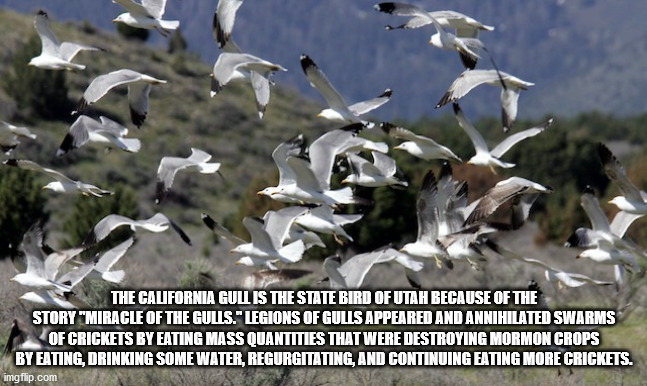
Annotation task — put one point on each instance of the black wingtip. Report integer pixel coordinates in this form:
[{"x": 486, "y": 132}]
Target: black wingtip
[
  {"x": 604, "y": 153},
  {"x": 11, "y": 162},
  {"x": 446, "y": 170},
  {"x": 356, "y": 128},
  {"x": 456, "y": 107},
  {"x": 588, "y": 189},
  {"x": 572, "y": 241},
  {"x": 160, "y": 192},
  {"x": 137, "y": 118},
  {"x": 66, "y": 146},
  {"x": 468, "y": 61},
  {"x": 385, "y": 7},
  {"x": 386, "y": 94},
  {"x": 90, "y": 239},
  {"x": 306, "y": 62},
  {"x": 387, "y": 127},
  {"x": 429, "y": 181},
  {"x": 41, "y": 12},
  {"x": 208, "y": 221},
  {"x": 506, "y": 120},
  {"x": 180, "y": 232}
]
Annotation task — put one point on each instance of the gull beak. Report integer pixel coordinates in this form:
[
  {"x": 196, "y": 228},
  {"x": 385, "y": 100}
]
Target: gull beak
[
  {"x": 397, "y": 147},
  {"x": 578, "y": 256},
  {"x": 115, "y": 20},
  {"x": 43, "y": 188},
  {"x": 260, "y": 193},
  {"x": 344, "y": 181},
  {"x": 210, "y": 75},
  {"x": 237, "y": 263},
  {"x": 319, "y": 115}
]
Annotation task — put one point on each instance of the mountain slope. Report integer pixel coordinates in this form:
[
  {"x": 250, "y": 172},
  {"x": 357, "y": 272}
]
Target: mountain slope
[{"x": 583, "y": 55}]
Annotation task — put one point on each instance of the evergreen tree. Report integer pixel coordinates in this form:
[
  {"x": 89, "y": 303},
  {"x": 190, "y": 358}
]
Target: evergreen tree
[{"x": 21, "y": 205}]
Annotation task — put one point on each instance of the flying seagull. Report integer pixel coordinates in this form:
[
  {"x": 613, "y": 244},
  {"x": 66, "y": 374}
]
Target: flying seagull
[
  {"x": 511, "y": 85},
  {"x": 427, "y": 244},
  {"x": 464, "y": 25},
  {"x": 503, "y": 192},
  {"x": 9, "y": 136},
  {"x": 223, "y": 20},
  {"x": 139, "y": 86},
  {"x": 157, "y": 223},
  {"x": 237, "y": 65},
  {"x": 379, "y": 173},
  {"x": 418, "y": 145},
  {"x": 106, "y": 260},
  {"x": 86, "y": 129},
  {"x": 147, "y": 15},
  {"x": 465, "y": 45},
  {"x": 55, "y": 55},
  {"x": 169, "y": 166},
  {"x": 62, "y": 184},
  {"x": 38, "y": 275},
  {"x": 322, "y": 219},
  {"x": 263, "y": 245},
  {"x": 632, "y": 199},
  {"x": 339, "y": 110},
  {"x": 491, "y": 158}
]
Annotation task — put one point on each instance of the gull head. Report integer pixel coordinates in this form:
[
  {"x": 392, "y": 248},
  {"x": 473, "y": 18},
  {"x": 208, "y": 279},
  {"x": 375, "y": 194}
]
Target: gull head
[
  {"x": 54, "y": 186},
  {"x": 269, "y": 191},
  {"x": 245, "y": 260},
  {"x": 121, "y": 18},
  {"x": 351, "y": 179}
]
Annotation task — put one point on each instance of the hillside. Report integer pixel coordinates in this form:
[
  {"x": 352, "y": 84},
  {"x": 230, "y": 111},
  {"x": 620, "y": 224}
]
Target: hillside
[{"x": 582, "y": 55}]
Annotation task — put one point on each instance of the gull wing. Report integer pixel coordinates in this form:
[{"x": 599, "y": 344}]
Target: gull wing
[
  {"x": 261, "y": 86},
  {"x": 112, "y": 256},
  {"x": 155, "y": 8},
  {"x": 427, "y": 212},
  {"x": 159, "y": 220},
  {"x": 69, "y": 50},
  {"x": 331, "y": 266},
  {"x": 364, "y": 107},
  {"x": 223, "y": 20},
  {"x": 138, "y": 102},
  {"x": 50, "y": 43},
  {"x": 318, "y": 80},
  {"x": 75, "y": 276},
  {"x": 78, "y": 134},
  {"x": 385, "y": 164},
  {"x": 277, "y": 224},
  {"x": 324, "y": 149},
  {"x": 106, "y": 225},
  {"x": 493, "y": 198},
  {"x": 221, "y": 231},
  {"x": 33, "y": 166},
  {"x": 591, "y": 205},
  {"x": 104, "y": 83},
  {"x": 475, "y": 136},
  {"x": 621, "y": 223},
  {"x": 617, "y": 174},
  {"x": 466, "y": 82},
  {"x": 291, "y": 147},
  {"x": 34, "y": 255},
  {"x": 260, "y": 238},
  {"x": 134, "y": 8},
  {"x": 305, "y": 177},
  {"x": 505, "y": 145}
]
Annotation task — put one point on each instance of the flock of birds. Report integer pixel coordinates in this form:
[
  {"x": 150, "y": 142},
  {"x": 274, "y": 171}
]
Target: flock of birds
[{"x": 451, "y": 230}]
